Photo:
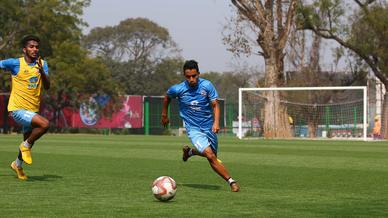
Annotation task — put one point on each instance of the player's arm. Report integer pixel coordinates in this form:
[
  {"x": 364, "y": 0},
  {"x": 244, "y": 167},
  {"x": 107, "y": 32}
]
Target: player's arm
[
  {"x": 166, "y": 103},
  {"x": 11, "y": 64},
  {"x": 43, "y": 70},
  {"x": 216, "y": 116}
]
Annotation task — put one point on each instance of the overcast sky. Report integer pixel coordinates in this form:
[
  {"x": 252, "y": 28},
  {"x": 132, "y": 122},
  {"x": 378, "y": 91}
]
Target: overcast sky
[{"x": 195, "y": 25}]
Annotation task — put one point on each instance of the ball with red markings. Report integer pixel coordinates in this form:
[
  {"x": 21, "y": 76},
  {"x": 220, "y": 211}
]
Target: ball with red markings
[{"x": 164, "y": 188}]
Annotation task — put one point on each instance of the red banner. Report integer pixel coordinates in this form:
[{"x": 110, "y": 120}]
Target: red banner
[{"x": 130, "y": 116}]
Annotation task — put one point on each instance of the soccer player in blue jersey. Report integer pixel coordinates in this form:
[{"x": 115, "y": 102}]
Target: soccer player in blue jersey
[
  {"x": 29, "y": 74},
  {"x": 200, "y": 112}
]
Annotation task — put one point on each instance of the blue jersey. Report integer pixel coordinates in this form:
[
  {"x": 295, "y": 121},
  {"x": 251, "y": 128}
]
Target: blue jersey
[{"x": 195, "y": 103}]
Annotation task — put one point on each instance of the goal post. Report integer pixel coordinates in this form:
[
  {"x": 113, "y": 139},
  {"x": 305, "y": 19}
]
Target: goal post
[{"x": 333, "y": 112}]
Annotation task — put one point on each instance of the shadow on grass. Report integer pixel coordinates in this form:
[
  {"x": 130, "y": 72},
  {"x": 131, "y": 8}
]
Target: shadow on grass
[
  {"x": 6, "y": 175},
  {"x": 201, "y": 186},
  {"x": 164, "y": 202},
  {"x": 44, "y": 177}
]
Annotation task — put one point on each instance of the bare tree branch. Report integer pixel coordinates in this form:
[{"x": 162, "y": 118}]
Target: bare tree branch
[
  {"x": 371, "y": 63},
  {"x": 279, "y": 16},
  {"x": 260, "y": 9},
  {"x": 244, "y": 9},
  {"x": 287, "y": 26}
]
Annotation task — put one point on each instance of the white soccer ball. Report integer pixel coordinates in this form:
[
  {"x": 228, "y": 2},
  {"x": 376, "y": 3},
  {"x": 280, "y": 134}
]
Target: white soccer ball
[{"x": 164, "y": 188}]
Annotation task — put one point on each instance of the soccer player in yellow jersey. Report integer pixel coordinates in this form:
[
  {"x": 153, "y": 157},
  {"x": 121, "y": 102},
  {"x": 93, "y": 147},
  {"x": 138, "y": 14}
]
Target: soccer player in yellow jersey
[{"x": 29, "y": 74}]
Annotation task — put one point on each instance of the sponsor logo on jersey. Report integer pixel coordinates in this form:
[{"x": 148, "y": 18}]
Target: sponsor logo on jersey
[{"x": 194, "y": 105}]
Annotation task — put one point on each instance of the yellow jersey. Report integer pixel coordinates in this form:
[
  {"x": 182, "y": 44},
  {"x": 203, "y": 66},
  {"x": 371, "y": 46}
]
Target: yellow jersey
[{"x": 26, "y": 84}]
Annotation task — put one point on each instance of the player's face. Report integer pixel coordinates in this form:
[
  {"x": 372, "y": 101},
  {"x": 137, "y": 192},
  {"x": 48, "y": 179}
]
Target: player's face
[
  {"x": 192, "y": 76},
  {"x": 31, "y": 49}
]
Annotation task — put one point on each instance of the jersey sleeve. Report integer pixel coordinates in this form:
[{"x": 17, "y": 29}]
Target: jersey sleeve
[
  {"x": 212, "y": 92},
  {"x": 172, "y": 92},
  {"x": 45, "y": 68},
  {"x": 11, "y": 64}
]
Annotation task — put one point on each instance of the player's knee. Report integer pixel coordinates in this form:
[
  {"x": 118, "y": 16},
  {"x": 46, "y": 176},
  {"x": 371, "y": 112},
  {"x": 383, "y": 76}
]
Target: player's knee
[
  {"x": 45, "y": 125},
  {"x": 211, "y": 157}
]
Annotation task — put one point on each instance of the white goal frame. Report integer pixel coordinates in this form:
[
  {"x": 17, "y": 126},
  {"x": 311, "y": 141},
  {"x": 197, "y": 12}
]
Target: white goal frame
[{"x": 363, "y": 88}]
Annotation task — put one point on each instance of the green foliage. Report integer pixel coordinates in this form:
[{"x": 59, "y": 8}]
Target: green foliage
[
  {"x": 227, "y": 84},
  {"x": 370, "y": 33},
  {"x": 325, "y": 14},
  {"x": 140, "y": 54},
  {"x": 167, "y": 73},
  {"x": 74, "y": 75},
  {"x": 363, "y": 31},
  {"x": 137, "y": 39}
]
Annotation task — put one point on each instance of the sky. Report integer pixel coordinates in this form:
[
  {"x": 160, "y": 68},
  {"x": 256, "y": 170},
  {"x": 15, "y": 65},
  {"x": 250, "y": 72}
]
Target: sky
[{"x": 195, "y": 25}]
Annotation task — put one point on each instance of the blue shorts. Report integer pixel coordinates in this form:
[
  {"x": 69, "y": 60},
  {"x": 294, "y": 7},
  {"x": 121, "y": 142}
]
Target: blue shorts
[
  {"x": 201, "y": 139},
  {"x": 24, "y": 118}
]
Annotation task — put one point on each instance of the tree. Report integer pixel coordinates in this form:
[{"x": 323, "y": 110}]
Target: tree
[
  {"x": 133, "y": 49},
  {"x": 167, "y": 72},
  {"x": 366, "y": 34},
  {"x": 270, "y": 22},
  {"x": 10, "y": 24}
]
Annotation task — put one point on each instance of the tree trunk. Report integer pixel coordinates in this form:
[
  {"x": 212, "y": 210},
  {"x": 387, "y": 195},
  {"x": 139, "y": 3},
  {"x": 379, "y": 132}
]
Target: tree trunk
[
  {"x": 384, "y": 117},
  {"x": 275, "y": 115},
  {"x": 312, "y": 129}
]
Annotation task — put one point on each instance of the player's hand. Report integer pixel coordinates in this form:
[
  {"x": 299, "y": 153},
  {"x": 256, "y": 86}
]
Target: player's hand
[
  {"x": 40, "y": 65},
  {"x": 216, "y": 128},
  {"x": 165, "y": 120}
]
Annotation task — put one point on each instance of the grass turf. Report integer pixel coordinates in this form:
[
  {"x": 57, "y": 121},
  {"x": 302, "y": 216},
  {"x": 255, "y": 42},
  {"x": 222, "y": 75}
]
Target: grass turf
[{"x": 110, "y": 176}]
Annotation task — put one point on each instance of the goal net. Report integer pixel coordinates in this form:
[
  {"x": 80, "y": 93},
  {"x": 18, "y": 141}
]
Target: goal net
[{"x": 303, "y": 112}]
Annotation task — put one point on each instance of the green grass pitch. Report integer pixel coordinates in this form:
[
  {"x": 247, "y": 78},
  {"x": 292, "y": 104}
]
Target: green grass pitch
[{"x": 110, "y": 176}]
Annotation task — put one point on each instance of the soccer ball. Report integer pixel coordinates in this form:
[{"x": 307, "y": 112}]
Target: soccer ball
[{"x": 164, "y": 188}]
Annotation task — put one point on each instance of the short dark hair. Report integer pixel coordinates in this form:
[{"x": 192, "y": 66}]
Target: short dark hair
[
  {"x": 28, "y": 38},
  {"x": 190, "y": 64}
]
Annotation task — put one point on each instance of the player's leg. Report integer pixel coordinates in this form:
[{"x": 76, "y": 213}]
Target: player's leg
[
  {"x": 189, "y": 152},
  {"x": 19, "y": 171},
  {"x": 19, "y": 159},
  {"x": 34, "y": 126},
  {"x": 16, "y": 165},
  {"x": 206, "y": 144},
  {"x": 39, "y": 126},
  {"x": 220, "y": 169}
]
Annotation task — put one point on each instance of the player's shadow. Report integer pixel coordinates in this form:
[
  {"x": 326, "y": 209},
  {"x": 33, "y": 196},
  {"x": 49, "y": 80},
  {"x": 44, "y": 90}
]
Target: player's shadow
[
  {"x": 45, "y": 178},
  {"x": 201, "y": 186}
]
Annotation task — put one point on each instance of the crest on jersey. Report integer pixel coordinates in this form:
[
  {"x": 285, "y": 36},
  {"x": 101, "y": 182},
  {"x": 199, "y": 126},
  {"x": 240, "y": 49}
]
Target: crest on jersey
[{"x": 203, "y": 93}]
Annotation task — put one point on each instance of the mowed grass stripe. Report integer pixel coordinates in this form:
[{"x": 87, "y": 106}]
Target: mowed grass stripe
[{"x": 110, "y": 176}]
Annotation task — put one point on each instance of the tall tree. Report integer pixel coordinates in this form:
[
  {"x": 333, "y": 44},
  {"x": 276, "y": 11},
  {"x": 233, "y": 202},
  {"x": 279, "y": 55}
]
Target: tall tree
[
  {"x": 270, "y": 22},
  {"x": 365, "y": 35},
  {"x": 132, "y": 49}
]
